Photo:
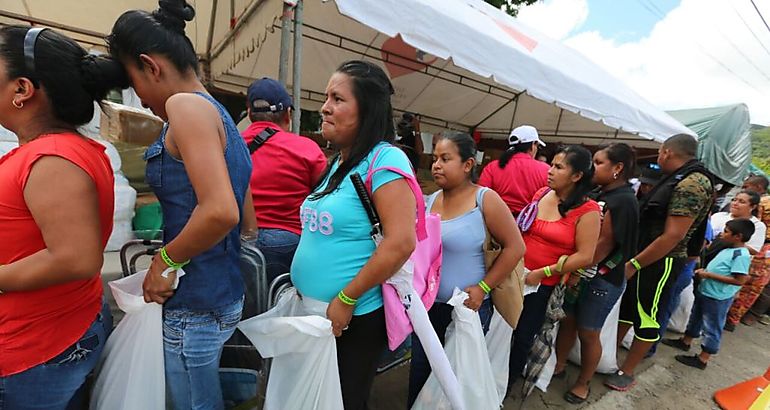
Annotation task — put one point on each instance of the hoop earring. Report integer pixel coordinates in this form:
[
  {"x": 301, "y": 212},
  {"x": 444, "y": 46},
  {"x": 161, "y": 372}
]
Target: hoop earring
[
  {"x": 615, "y": 175},
  {"x": 18, "y": 105}
]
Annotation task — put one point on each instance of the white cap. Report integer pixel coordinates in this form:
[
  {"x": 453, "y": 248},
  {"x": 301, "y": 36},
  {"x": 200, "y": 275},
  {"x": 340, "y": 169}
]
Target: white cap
[{"x": 523, "y": 134}]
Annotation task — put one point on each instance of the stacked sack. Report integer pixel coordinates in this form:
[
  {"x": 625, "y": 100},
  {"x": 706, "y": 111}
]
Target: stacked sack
[
  {"x": 8, "y": 141},
  {"x": 125, "y": 201},
  {"x": 125, "y": 195}
]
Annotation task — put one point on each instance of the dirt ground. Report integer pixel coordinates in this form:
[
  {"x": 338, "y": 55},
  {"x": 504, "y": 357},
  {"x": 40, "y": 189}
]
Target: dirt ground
[{"x": 662, "y": 382}]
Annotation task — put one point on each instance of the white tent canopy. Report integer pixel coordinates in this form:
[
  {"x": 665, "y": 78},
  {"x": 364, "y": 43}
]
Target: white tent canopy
[{"x": 462, "y": 64}]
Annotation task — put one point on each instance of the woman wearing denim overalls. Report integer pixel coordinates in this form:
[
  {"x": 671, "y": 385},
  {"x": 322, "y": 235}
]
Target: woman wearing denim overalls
[{"x": 199, "y": 168}]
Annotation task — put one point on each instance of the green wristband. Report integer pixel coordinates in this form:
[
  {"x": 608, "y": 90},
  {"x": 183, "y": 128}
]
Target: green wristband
[
  {"x": 547, "y": 271},
  {"x": 483, "y": 285},
  {"x": 636, "y": 264},
  {"x": 346, "y": 299},
  {"x": 168, "y": 261}
]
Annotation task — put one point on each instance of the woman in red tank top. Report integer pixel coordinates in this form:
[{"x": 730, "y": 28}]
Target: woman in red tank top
[
  {"x": 56, "y": 205},
  {"x": 561, "y": 237}
]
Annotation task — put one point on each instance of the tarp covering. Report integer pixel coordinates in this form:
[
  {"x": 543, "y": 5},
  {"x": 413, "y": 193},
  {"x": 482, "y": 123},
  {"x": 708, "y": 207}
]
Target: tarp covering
[
  {"x": 724, "y": 135},
  {"x": 755, "y": 170},
  {"x": 462, "y": 64}
]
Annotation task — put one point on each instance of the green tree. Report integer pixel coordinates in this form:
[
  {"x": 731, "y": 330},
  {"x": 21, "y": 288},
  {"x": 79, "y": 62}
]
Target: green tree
[
  {"x": 511, "y": 6},
  {"x": 760, "y": 147}
]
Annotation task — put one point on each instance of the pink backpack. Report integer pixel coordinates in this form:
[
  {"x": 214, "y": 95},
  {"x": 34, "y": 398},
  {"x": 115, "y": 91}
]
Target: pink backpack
[{"x": 426, "y": 260}]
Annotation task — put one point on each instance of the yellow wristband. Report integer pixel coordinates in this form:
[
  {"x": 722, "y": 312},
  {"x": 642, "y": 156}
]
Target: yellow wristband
[
  {"x": 170, "y": 262},
  {"x": 635, "y": 263},
  {"x": 346, "y": 299},
  {"x": 547, "y": 271},
  {"x": 483, "y": 285}
]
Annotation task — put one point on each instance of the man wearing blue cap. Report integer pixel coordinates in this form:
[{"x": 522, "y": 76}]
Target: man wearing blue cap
[{"x": 286, "y": 168}]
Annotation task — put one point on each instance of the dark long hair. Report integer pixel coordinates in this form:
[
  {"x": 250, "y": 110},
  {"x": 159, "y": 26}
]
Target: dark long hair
[
  {"x": 580, "y": 160},
  {"x": 372, "y": 90},
  {"x": 753, "y": 200},
  {"x": 138, "y": 32},
  {"x": 513, "y": 150},
  {"x": 617, "y": 153},
  {"x": 71, "y": 78},
  {"x": 465, "y": 146}
]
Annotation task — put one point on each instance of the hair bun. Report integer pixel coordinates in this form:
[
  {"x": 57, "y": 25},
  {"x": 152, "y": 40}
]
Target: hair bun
[
  {"x": 173, "y": 14},
  {"x": 101, "y": 74}
]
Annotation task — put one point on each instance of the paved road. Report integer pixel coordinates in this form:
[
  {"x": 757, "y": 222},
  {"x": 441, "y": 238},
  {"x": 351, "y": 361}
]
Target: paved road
[{"x": 662, "y": 383}]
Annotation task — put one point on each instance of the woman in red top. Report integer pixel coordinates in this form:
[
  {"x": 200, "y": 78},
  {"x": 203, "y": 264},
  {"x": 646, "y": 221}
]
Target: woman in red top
[
  {"x": 561, "y": 238},
  {"x": 56, "y": 205}
]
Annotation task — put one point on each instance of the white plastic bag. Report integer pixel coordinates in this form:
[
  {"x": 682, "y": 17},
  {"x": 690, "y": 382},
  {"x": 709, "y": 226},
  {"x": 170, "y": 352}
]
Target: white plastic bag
[
  {"x": 499, "y": 348},
  {"x": 550, "y": 366},
  {"x": 131, "y": 373},
  {"x": 608, "y": 338},
  {"x": 125, "y": 200},
  {"x": 304, "y": 372},
  {"x": 466, "y": 349},
  {"x": 681, "y": 315},
  {"x": 628, "y": 339}
]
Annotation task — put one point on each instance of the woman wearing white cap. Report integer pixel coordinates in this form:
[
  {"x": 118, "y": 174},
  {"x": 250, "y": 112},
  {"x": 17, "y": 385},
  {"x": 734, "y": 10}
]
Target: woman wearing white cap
[{"x": 517, "y": 175}]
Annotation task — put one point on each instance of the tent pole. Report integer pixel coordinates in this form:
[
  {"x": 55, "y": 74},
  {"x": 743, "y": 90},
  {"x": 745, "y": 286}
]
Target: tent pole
[
  {"x": 207, "y": 63},
  {"x": 232, "y": 13},
  {"x": 52, "y": 24},
  {"x": 515, "y": 108},
  {"x": 558, "y": 122},
  {"x": 212, "y": 21},
  {"x": 297, "y": 68},
  {"x": 516, "y": 97},
  {"x": 244, "y": 18},
  {"x": 283, "y": 62}
]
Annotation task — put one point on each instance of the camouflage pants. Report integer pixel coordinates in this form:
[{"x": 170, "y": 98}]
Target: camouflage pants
[{"x": 759, "y": 275}]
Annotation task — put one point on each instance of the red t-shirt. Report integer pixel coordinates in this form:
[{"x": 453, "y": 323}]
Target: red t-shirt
[
  {"x": 36, "y": 326},
  {"x": 285, "y": 171},
  {"x": 547, "y": 241},
  {"x": 521, "y": 178}
]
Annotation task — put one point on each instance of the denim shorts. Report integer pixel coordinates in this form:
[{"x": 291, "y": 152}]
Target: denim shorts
[{"x": 596, "y": 300}]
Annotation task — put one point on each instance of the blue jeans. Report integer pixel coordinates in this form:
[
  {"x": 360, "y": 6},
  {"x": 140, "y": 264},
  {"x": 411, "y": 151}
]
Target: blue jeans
[
  {"x": 440, "y": 315},
  {"x": 192, "y": 345},
  {"x": 684, "y": 280},
  {"x": 278, "y": 246},
  {"x": 54, "y": 384},
  {"x": 708, "y": 317}
]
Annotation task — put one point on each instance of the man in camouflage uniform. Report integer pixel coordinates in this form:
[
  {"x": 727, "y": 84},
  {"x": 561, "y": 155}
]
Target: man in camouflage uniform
[{"x": 672, "y": 226}]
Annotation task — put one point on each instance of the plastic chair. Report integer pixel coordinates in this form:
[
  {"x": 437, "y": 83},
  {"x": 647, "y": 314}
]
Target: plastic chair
[
  {"x": 135, "y": 249},
  {"x": 280, "y": 284},
  {"x": 241, "y": 368}
]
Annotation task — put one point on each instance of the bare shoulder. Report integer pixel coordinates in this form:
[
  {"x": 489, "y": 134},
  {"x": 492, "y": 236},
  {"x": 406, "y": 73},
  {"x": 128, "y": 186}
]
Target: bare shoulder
[
  {"x": 189, "y": 107},
  {"x": 490, "y": 196}
]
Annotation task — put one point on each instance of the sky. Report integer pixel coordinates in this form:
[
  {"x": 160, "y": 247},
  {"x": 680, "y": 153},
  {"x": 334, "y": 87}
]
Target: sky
[{"x": 677, "y": 54}]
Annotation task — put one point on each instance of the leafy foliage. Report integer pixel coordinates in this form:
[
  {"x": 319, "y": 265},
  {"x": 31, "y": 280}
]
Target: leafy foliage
[
  {"x": 511, "y": 6},
  {"x": 760, "y": 147}
]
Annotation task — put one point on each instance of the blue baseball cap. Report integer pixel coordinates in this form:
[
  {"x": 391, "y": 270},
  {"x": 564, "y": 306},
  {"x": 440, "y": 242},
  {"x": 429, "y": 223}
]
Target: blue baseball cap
[{"x": 269, "y": 90}]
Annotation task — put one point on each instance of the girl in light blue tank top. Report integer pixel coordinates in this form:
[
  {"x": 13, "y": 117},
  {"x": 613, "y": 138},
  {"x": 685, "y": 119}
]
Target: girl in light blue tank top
[
  {"x": 467, "y": 211},
  {"x": 462, "y": 238}
]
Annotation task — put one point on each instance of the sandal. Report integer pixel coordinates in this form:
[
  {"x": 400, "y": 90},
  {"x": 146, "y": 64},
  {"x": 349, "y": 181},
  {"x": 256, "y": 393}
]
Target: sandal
[
  {"x": 561, "y": 375},
  {"x": 573, "y": 398}
]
